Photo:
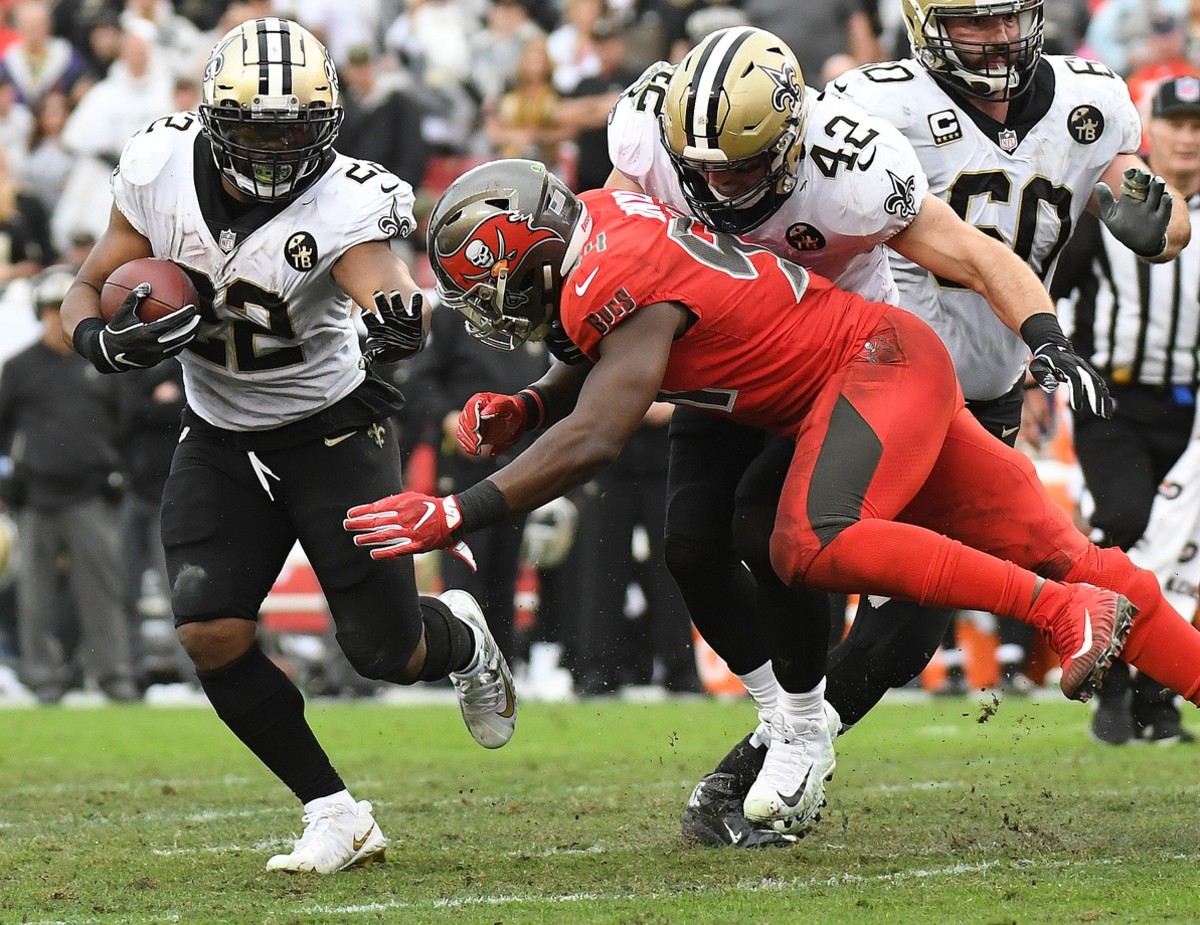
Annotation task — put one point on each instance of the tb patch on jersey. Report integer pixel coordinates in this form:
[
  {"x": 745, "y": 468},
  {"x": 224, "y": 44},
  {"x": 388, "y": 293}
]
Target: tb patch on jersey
[
  {"x": 301, "y": 251},
  {"x": 1086, "y": 124}
]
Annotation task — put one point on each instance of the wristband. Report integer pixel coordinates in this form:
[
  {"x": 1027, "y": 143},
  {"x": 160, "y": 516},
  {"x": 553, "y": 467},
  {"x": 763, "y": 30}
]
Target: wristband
[
  {"x": 86, "y": 339},
  {"x": 535, "y": 406},
  {"x": 1041, "y": 329},
  {"x": 481, "y": 505}
]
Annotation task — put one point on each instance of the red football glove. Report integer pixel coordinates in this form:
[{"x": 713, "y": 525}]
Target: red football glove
[
  {"x": 489, "y": 423},
  {"x": 406, "y": 524}
]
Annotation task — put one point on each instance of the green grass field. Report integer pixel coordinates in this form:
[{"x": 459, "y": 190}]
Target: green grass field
[{"x": 155, "y": 815}]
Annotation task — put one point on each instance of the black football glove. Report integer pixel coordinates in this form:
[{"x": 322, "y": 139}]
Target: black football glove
[
  {"x": 1055, "y": 363},
  {"x": 127, "y": 342},
  {"x": 399, "y": 331},
  {"x": 1140, "y": 217}
]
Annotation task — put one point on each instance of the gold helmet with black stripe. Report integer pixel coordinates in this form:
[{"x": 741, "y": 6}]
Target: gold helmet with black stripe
[
  {"x": 736, "y": 102},
  {"x": 270, "y": 105},
  {"x": 988, "y": 70}
]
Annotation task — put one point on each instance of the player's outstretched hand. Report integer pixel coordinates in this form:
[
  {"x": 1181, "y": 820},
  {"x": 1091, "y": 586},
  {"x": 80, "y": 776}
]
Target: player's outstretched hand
[
  {"x": 1140, "y": 217},
  {"x": 408, "y": 523},
  {"x": 399, "y": 331},
  {"x": 490, "y": 423},
  {"x": 129, "y": 343},
  {"x": 1056, "y": 363}
]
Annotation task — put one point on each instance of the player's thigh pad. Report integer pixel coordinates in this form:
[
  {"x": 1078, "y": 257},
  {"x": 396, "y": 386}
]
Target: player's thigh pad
[
  {"x": 373, "y": 602},
  {"x": 225, "y": 539}
]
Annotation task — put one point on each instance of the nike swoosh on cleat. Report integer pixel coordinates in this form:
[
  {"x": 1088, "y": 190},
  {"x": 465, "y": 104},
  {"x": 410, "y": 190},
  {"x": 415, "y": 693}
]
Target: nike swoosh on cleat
[
  {"x": 792, "y": 801},
  {"x": 359, "y": 842},
  {"x": 1087, "y": 634},
  {"x": 734, "y": 837},
  {"x": 334, "y": 441},
  {"x": 512, "y": 701}
]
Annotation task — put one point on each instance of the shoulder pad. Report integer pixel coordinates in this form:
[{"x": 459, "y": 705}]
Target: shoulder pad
[{"x": 147, "y": 152}]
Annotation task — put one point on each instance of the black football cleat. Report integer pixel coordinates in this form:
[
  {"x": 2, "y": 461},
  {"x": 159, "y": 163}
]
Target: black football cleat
[{"x": 714, "y": 818}]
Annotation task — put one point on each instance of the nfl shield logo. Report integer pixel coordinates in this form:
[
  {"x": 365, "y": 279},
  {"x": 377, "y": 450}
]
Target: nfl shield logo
[
  {"x": 1008, "y": 141},
  {"x": 226, "y": 241}
]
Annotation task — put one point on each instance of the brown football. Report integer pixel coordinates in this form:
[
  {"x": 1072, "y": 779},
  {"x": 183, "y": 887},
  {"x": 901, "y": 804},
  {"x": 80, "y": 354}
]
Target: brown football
[{"x": 170, "y": 288}]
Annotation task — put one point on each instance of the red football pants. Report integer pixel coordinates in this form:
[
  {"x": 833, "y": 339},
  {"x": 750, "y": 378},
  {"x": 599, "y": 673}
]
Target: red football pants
[{"x": 895, "y": 489}]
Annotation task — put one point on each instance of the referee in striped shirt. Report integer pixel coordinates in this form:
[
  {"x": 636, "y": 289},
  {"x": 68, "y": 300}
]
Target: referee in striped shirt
[{"x": 1139, "y": 324}]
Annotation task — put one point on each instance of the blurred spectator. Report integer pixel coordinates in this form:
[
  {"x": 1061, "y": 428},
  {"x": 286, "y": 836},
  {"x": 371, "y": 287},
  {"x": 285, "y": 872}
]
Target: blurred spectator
[
  {"x": 25, "y": 246},
  {"x": 430, "y": 39},
  {"x": 340, "y": 24},
  {"x": 496, "y": 49},
  {"x": 100, "y": 51},
  {"x": 524, "y": 123},
  {"x": 383, "y": 119},
  {"x": 57, "y": 423},
  {"x": 48, "y": 164},
  {"x": 1120, "y": 33},
  {"x": 826, "y": 28},
  {"x": 570, "y": 46},
  {"x": 453, "y": 367},
  {"x": 16, "y": 125},
  {"x": 137, "y": 90},
  {"x": 39, "y": 62},
  {"x": 586, "y": 112},
  {"x": 176, "y": 41},
  {"x": 1166, "y": 58},
  {"x": 685, "y": 24}
]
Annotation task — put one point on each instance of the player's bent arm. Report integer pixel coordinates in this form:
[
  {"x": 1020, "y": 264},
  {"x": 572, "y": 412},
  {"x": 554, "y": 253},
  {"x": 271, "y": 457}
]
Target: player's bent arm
[
  {"x": 618, "y": 180},
  {"x": 119, "y": 244},
  {"x": 941, "y": 242},
  {"x": 560, "y": 389},
  {"x": 371, "y": 267},
  {"x": 1179, "y": 228},
  {"x": 614, "y": 398}
]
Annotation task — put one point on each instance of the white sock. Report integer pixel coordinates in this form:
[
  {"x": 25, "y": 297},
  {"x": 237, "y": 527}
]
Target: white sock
[
  {"x": 342, "y": 796},
  {"x": 761, "y": 685},
  {"x": 806, "y": 706}
]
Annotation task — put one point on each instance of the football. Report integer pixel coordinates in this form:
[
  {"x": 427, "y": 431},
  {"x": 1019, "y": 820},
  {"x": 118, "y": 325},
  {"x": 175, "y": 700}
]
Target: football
[{"x": 170, "y": 288}]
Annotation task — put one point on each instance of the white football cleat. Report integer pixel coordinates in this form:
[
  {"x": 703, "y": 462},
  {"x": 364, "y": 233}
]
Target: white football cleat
[
  {"x": 486, "y": 697},
  {"x": 336, "y": 837},
  {"x": 790, "y": 789}
]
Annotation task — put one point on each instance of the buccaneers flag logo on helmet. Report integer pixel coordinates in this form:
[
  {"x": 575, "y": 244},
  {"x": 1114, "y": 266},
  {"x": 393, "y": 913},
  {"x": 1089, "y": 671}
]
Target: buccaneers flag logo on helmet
[{"x": 495, "y": 246}]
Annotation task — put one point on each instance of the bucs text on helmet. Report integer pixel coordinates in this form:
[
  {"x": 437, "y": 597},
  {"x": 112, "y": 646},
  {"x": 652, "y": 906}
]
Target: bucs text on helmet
[
  {"x": 989, "y": 70},
  {"x": 736, "y": 100},
  {"x": 270, "y": 105},
  {"x": 500, "y": 240}
]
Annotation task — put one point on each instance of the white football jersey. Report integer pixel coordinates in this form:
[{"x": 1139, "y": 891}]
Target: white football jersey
[
  {"x": 859, "y": 183},
  {"x": 276, "y": 343},
  {"x": 1025, "y": 183}
]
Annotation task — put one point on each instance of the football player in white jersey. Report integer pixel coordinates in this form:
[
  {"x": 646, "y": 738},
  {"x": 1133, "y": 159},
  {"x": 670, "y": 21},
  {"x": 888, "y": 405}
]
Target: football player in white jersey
[
  {"x": 285, "y": 425},
  {"x": 838, "y": 184}
]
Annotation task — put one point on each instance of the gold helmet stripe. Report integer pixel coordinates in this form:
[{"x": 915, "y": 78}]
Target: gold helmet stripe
[{"x": 702, "y": 122}]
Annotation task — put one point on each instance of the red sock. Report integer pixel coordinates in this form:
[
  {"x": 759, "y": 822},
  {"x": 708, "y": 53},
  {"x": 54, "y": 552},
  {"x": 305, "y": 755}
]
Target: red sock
[{"x": 915, "y": 564}]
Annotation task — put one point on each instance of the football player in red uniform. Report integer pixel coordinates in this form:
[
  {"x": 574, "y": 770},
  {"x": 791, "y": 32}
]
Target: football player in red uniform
[{"x": 894, "y": 488}]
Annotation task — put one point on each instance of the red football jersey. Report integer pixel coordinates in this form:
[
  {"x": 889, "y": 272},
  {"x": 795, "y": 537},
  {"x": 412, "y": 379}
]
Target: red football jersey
[{"x": 768, "y": 333}]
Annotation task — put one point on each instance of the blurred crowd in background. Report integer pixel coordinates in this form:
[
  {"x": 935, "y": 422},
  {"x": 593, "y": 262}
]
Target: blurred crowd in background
[{"x": 577, "y": 593}]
